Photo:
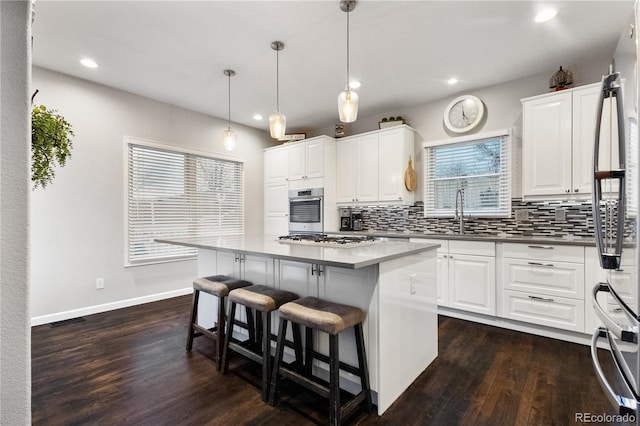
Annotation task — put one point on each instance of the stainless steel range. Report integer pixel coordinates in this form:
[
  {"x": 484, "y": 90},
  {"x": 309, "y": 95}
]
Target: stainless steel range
[{"x": 324, "y": 240}]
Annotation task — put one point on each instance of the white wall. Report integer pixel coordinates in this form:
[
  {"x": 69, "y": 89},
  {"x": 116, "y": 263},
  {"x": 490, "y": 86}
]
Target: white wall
[
  {"x": 78, "y": 222},
  {"x": 15, "y": 332}
]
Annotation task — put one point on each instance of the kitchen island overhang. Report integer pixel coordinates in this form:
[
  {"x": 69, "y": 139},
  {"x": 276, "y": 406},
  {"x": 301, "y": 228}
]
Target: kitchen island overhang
[{"x": 394, "y": 282}]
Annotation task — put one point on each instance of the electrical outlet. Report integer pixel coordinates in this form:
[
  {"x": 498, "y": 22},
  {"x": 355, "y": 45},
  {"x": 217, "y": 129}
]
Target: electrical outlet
[
  {"x": 412, "y": 283},
  {"x": 99, "y": 283},
  {"x": 561, "y": 215},
  {"x": 522, "y": 214}
]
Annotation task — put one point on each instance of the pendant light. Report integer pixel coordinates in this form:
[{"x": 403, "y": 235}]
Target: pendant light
[
  {"x": 229, "y": 137},
  {"x": 277, "y": 121},
  {"x": 348, "y": 100}
]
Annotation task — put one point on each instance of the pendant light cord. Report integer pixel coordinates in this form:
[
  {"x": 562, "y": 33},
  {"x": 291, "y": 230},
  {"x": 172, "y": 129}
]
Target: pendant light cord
[
  {"x": 278, "y": 81},
  {"x": 229, "y": 120},
  {"x": 348, "y": 11}
]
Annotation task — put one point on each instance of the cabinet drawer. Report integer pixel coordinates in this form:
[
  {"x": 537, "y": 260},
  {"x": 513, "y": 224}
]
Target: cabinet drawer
[
  {"x": 558, "y": 253},
  {"x": 549, "y": 278},
  {"x": 558, "y": 312},
  {"x": 477, "y": 248}
]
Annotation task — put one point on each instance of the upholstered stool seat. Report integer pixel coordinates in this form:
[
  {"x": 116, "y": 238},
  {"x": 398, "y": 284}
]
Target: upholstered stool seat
[
  {"x": 331, "y": 318},
  {"x": 264, "y": 300},
  {"x": 219, "y": 286}
]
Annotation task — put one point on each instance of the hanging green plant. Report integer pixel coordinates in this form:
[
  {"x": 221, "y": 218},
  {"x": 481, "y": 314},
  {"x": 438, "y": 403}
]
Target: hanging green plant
[{"x": 50, "y": 143}]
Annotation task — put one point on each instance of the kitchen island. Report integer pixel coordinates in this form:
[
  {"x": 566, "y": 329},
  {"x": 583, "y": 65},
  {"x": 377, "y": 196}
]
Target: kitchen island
[{"x": 394, "y": 282}]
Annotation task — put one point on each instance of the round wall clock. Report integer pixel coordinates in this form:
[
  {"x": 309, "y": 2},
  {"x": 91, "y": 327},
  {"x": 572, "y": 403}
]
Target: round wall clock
[{"x": 464, "y": 113}]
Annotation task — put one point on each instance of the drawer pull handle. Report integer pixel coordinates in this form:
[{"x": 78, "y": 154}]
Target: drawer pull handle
[
  {"x": 541, "y": 264},
  {"x": 542, "y": 299},
  {"x": 541, "y": 247}
]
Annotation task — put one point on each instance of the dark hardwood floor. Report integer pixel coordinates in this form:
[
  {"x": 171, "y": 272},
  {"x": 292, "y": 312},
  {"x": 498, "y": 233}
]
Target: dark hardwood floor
[{"x": 129, "y": 367}]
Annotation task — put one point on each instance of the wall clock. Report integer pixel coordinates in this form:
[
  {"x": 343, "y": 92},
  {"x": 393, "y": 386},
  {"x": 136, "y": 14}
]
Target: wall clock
[{"x": 464, "y": 113}]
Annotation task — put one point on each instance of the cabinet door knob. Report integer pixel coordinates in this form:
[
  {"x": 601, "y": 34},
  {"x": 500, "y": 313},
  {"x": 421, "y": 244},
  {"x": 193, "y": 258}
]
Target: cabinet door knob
[
  {"x": 575, "y": 190},
  {"x": 399, "y": 198},
  {"x": 567, "y": 190}
]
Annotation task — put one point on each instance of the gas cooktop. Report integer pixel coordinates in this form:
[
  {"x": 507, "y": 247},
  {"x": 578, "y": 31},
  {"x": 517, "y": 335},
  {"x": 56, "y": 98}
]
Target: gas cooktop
[{"x": 328, "y": 240}]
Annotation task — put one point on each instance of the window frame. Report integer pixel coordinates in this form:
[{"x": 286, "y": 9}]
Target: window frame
[
  {"x": 506, "y": 170},
  {"x": 190, "y": 153}
]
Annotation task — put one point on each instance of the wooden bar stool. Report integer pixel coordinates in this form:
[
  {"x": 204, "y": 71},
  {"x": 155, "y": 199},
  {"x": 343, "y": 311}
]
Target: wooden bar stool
[
  {"x": 331, "y": 318},
  {"x": 220, "y": 286},
  {"x": 264, "y": 300}
]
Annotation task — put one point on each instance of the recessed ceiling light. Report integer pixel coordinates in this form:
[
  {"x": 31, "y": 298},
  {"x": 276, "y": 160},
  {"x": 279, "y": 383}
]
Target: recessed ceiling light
[
  {"x": 452, "y": 81},
  {"x": 257, "y": 117},
  {"x": 89, "y": 63},
  {"x": 546, "y": 15},
  {"x": 354, "y": 84}
]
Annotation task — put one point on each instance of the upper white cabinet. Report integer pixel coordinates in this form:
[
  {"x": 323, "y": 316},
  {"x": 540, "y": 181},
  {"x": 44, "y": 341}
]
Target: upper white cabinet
[
  {"x": 370, "y": 166},
  {"x": 276, "y": 165},
  {"x": 357, "y": 169},
  {"x": 306, "y": 159},
  {"x": 558, "y": 138}
]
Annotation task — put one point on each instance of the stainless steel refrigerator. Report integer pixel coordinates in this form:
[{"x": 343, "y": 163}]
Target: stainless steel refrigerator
[{"x": 615, "y": 213}]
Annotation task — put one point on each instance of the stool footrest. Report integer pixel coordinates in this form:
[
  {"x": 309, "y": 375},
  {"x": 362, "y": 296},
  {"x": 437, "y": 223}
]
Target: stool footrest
[
  {"x": 241, "y": 349},
  {"x": 346, "y": 367},
  {"x": 307, "y": 382},
  {"x": 353, "y": 404},
  {"x": 211, "y": 333}
]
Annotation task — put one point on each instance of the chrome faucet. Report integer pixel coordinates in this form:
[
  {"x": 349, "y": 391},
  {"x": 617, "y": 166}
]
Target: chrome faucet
[{"x": 461, "y": 215}]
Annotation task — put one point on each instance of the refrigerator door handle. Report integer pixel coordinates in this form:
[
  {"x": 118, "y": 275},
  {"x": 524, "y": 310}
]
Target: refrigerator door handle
[
  {"x": 626, "y": 333},
  {"x": 611, "y": 88},
  {"x": 624, "y": 404}
]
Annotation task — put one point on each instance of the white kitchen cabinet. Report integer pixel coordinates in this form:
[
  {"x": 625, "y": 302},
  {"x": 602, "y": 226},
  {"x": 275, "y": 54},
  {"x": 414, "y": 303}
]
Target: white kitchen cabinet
[
  {"x": 544, "y": 284},
  {"x": 357, "y": 169},
  {"x": 276, "y": 209},
  {"x": 370, "y": 167},
  {"x": 276, "y": 165},
  {"x": 466, "y": 275},
  {"x": 306, "y": 161},
  {"x": 472, "y": 282},
  {"x": 395, "y": 147},
  {"x": 299, "y": 165},
  {"x": 624, "y": 281},
  {"x": 558, "y": 138}
]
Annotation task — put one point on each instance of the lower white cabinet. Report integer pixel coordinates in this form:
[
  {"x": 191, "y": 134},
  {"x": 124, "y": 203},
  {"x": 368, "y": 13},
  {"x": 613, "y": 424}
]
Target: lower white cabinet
[
  {"x": 466, "y": 275},
  {"x": 558, "y": 312},
  {"x": 539, "y": 289}
]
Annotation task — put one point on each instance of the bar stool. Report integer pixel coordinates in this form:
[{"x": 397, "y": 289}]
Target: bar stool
[
  {"x": 263, "y": 300},
  {"x": 331, "y": 318},
  {"x": 219, "y": 286}
]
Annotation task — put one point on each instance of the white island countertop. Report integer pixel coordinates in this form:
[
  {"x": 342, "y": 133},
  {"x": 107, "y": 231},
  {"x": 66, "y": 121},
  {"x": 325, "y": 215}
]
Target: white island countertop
[{"x": 343, "y": 257}]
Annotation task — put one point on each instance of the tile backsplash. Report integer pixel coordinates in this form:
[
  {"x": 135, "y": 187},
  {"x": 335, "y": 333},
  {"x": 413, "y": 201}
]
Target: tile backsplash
[{"x": 548, "y": 218}]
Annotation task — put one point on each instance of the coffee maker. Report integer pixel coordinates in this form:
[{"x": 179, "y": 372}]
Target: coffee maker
[
  {"x": 356, "y": 221},
  {"x": 345, "y": 219}
]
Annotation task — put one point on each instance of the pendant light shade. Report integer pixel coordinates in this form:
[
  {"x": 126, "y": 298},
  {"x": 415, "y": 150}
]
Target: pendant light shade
[
  {"x": 348, "y": 100},
  {"x": 277, "y": 121},
  {"x": 229, "y": 137}
]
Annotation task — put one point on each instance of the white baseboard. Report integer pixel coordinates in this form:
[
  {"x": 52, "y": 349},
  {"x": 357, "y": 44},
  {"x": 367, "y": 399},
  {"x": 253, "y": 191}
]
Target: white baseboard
[{"x": 61, "y": 316}]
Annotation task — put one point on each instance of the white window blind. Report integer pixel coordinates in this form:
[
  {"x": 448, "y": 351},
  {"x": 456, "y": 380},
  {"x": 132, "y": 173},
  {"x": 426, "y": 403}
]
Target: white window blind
[
  {"x": 480, "y": 168},
  {"x": 174, "y": 194}
]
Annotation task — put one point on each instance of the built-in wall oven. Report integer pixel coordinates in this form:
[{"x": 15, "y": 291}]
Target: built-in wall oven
[{"x": 305, "y": 210}]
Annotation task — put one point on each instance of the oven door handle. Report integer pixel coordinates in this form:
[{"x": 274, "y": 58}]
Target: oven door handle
[
  {"x": 305, "y": 199},
  {"x": 626, "y": 333},
  {"x": 624, "y": 405}
]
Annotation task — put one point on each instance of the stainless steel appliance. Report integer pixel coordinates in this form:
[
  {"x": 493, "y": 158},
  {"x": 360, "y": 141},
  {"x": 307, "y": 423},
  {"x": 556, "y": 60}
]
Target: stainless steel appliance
[
  {"x": 615, "y": 166},
  {"x": 356, "y": 221},
  {"x": 345, "y": 218},
  {"x": 305, "y": 210}
]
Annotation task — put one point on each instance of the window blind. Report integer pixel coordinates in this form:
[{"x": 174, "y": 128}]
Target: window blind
[
  {"x": 480, "y": 168},
  {"x": 174, "y": 194}
]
